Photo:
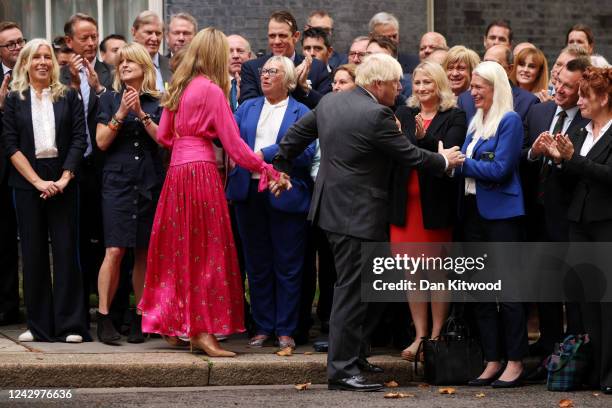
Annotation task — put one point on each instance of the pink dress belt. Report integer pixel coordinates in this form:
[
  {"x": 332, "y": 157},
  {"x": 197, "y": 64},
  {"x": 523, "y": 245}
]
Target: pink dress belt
[{"x": 187, "y": 149}]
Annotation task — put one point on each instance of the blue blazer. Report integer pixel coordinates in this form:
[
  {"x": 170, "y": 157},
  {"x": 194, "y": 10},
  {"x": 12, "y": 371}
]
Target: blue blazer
[
  {"x": 296, "y": 200},
  {"x": 522, "y": 99},
  {"x": 495, "y": 167}
]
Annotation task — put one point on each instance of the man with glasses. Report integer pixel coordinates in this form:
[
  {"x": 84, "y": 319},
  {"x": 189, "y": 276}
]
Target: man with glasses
[
  {"x": 357, "y": 52},
  {"x": 313, "y": 79},
  {"x": 321, "y": 19},
  {"x": 11, "y": 42}
]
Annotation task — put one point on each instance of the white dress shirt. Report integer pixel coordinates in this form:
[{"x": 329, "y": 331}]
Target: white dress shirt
[
  {"x": 159, "y": 81},
  {"x": 269, "y": 124},
  {"x": 43, "y": 124},
  {"x": 589, "y": 140}
]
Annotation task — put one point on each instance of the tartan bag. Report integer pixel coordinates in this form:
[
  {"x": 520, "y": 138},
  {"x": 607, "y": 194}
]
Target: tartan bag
[
  {"x": 453, "y": 358},
  {"x": 568, "y": 364}
]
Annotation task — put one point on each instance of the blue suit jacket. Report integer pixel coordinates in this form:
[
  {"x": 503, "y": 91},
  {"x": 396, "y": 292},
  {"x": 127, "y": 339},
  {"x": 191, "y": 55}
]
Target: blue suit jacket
[
  {"x": 296, "y": 200},
  {"x": 523, "y": 100},
  {"x": 320, "y": 80},
  {"x": 495, "y": 167}
]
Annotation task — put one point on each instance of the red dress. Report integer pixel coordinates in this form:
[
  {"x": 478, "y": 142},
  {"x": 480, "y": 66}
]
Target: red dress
[
  {"x": 413, "y": 230},
  {"x": 193, "y": 283}
]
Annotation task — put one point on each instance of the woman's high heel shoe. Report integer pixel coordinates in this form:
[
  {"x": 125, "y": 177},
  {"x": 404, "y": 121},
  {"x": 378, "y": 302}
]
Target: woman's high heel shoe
[
  {"x": 175, "y": 341},
  {"x": 209, "y": 345}
]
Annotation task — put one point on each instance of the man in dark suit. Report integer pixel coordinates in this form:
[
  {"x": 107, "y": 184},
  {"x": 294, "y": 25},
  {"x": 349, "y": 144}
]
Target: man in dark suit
[
  {"x": 523, "y": 100},
  {"x": 322, "y": 19},
  {"x": 181, "y": 30},
  {"x": 548, "y": 193},
  {"x": 148, "y": 31},
  {"x": 386, "y": 25},
  {"x": 91, "y": 77},
  {"x": 11, "y": 42},
  {"x": 360, "y": 141},
  {"x": 313, "y": 79}
]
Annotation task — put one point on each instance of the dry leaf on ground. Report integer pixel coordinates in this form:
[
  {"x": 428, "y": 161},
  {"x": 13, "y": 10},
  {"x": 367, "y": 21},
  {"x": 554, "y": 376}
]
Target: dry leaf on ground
[
  {"x": 308, "y": 353},
  {"x": 302, "y": 387},
  {"x": 566, "y": 403},
  {"x": 391, "y": 384},
  {"x": 423, "y": 385},
  {"x": 395, "y": 395},
  {"x": 480, "y": 395},
  {"x": 286, "y": 352},
  {"x": 447, "y": 390}
]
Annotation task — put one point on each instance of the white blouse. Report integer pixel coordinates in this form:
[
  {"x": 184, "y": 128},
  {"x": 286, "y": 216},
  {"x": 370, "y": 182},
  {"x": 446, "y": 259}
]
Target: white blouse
[
  {"x": 470, "y": 183},
  {"x": 589, "y": 140},
  {"x": 43, "y": 123},
  {"x": 269, "y": 124}
]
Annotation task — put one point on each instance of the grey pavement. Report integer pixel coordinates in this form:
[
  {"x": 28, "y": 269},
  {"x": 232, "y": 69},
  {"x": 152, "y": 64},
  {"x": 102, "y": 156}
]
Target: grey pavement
[{"x": 315, "y": 396}]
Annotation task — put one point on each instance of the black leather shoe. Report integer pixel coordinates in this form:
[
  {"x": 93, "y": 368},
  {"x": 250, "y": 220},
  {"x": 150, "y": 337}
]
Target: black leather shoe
[
  {"x": 106, "y": 331},
  {"x": 136, "y": 335},
  {"x": 537, "y": 375},
  {"x": 355, "y": 383},
  {"x": 482, "y": 382},
  {"x": 365, "y": 365},
  {"x": 509, "y": 384},
  {"x": 606, "y": 389}
]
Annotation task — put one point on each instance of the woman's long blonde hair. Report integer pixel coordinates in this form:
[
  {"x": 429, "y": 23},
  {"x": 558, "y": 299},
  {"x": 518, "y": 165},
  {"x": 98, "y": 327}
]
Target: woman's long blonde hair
[
  {"x": 208, "y": 55},
  {"x": 21, "y": 77},
  {"x": 137, "y": 53},
  {"x": 446, "y": 98}
]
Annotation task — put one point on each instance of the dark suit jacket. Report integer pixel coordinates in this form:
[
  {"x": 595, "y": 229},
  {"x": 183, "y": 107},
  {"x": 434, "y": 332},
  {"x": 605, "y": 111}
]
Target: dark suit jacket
[
  {"x": 19, "y": 133},
  {"x": 557, "y": 187},
  {"x": 337, "y": 59},
  {"x": 408, "y": 62},
  {"x": 164, "y": 67},
  {"x": 438, "y": 194},
  {"x": 592, "y": 196},
  {"x": 250, "y": 84},
  {"x": 523, "y": 101},
  {"x": 296, "y": 200},
  {"x": 359, "y": 141}
]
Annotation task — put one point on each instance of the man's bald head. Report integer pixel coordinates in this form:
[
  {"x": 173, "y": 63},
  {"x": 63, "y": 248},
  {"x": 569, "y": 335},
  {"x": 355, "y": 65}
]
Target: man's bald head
[
  {"x": 502, "y": 54},
  {"x": 430, "y": 42}
]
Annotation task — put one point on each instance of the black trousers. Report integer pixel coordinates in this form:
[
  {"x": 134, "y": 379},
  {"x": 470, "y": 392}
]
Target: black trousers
[
  {"x": 54, "y": 305},
  {"x": 352, "y": 321},
  {"x": 502, "y": 326},
  {"x": 9, "y": 279},
  {"x": 597, "y": 317}
]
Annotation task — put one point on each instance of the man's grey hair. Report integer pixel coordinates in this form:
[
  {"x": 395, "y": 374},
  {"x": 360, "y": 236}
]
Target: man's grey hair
[
  {"x": 383, "y": 18},
  {"x": 186, "y": 17},
  {"x": 378, "y": 67}
]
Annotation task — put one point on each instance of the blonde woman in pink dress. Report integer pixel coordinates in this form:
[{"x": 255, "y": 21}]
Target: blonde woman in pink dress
[{"x": 193, "y": 287}]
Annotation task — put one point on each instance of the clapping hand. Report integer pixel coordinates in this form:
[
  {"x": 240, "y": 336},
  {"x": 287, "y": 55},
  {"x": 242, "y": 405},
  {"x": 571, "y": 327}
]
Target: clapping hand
[
  {"x": 283, "y": 183},
  {"x": 419, "y": 128},
  {"x": 544, "y": 96},
  {"x": 302, "y": 72},
  {"x": 453, "y": 155},
  {"x": 564, "y": 146},
  {"x": 550, "y": 145},
  {"x": 540, "y": 147},
  {"x": 92, "y": 76},
  {"x": 134, "y": 101}
]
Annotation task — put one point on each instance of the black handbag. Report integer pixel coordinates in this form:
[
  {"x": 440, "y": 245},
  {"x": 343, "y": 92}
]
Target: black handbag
[{"x": 454, "y": 358}]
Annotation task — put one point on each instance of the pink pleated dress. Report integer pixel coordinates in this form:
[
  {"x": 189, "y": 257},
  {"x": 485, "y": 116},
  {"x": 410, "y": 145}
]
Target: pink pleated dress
[{"x": 193, "y": 282}]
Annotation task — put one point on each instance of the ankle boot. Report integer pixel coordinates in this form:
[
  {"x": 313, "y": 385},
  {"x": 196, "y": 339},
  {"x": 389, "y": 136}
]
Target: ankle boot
[
  {"x": 136, "y": 335},
  {"x": 106, "y": 331}
]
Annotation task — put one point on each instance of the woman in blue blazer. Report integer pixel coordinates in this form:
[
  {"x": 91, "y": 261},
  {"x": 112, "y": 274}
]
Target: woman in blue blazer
[
  {"x": 490, "y": 210},
  {"x": 273, "y": 230}
]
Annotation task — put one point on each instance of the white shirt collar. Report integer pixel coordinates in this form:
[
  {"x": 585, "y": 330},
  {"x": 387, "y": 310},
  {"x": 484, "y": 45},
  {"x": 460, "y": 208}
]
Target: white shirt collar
[
  {"x": 604, "y": 129},
  {"x": 156, "y": 60},
  {"x": 5, "y": 69},
  {"x": 282, "y": 103},
  {"x": 571, "y": 112}
]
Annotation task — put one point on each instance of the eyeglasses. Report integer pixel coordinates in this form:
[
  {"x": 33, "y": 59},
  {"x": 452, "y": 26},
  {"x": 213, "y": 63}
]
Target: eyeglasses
[
  {"x": 354, "y": 54},
  {"x": 272, "y": 72},
  {"x": 12, "y": 46}
]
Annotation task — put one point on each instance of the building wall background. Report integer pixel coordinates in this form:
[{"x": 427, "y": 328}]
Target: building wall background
[{"x": 544, "y": 22}]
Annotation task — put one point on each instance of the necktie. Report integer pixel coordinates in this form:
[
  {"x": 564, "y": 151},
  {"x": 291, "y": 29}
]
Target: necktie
[
  {"x": 233, "y": 96},
  {"x": 546, "y": 164}
]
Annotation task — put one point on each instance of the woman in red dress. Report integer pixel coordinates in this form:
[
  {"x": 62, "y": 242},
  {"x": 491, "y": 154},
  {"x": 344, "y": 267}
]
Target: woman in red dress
[
  {"x": 424, "y": 205},
  {"x": 192, "y": 287}
]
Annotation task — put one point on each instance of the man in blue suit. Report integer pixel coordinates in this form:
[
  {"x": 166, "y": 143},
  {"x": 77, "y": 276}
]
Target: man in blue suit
[
  {"x": 523, "y": 100},
  {"x": 313, "y": 79}
]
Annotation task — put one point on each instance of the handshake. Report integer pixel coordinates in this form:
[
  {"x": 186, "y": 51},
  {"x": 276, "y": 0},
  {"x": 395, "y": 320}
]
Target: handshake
[
  {"x": 453, "y": 156},
  {"x": 279, "y": 185}
]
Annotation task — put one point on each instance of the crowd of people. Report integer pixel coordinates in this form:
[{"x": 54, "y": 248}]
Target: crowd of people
[{"x": 187, "y": 177}]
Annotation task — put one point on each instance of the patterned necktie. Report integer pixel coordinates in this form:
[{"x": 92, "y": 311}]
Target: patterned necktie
[
  {"x": 546, "y": 162},
  {"x": 233, "y": 96}
]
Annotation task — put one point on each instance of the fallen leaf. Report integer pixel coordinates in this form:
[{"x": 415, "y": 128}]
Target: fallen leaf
[
  {"x": 423, "y": 385},
  {"x": 391, "y": 384},
  {"x": 448, "y": 390},
  {"x": 302, "y": 387},
  {"x": 308, "y": 353},
  {"x": 566, "y": 403},
  {"x": 395, "y": 395},
  {"x": 480, "y": 395},
  {"x": 596, "y": 394},
  {"x": 286, "y": 352}
]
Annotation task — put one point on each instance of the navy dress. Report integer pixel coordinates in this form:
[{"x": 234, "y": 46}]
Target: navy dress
[{"x": 132, "y": 175}]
